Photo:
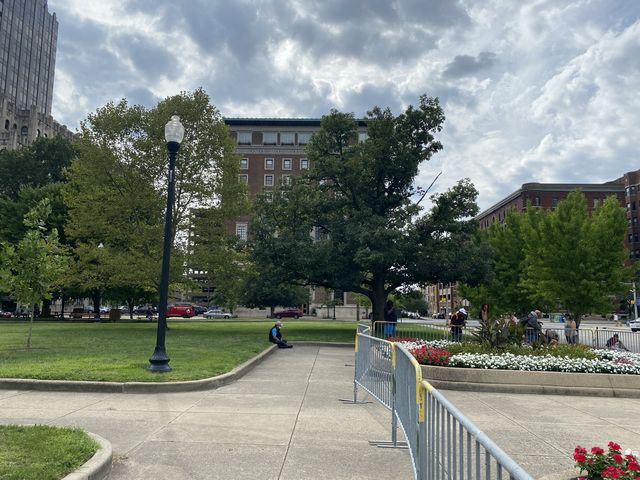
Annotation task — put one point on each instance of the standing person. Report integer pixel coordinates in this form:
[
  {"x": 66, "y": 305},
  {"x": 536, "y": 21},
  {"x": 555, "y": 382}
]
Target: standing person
[
  {"x": 570, "y": 330},
  {"x": 390, "y": 318},
  {"x": 484, "y": 313},
  {"x": 532, "y": 326},
  {"x": 276, "y": 337},
  {"x": 457, "y": 321}
]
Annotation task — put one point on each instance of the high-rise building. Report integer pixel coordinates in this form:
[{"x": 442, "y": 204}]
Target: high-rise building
[
  {"x": 28, "y": 38},
  {"x": 28, "y": 41}
]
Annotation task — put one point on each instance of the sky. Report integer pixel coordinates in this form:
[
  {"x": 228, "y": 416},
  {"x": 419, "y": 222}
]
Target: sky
[{"x": 533, "y": 91}]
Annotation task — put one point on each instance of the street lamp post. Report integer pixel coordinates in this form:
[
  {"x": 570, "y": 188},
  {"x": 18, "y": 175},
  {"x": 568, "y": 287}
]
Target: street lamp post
[{"x": 173, "y": 134}]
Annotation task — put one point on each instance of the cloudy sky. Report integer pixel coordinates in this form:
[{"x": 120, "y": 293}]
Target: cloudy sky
[{"x": 533, "y": 91}]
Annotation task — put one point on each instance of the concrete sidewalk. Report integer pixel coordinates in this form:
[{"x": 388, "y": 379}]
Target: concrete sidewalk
[{"x": 283, "y": 420}]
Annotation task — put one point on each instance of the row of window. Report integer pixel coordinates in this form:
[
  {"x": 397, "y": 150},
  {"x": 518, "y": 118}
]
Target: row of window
[
  {"x": 630, "y": 190},
  {"x": 283, "y": 138},
  {"x": 271, "y": 138},
  {"x": 269, "y": 163},
  {"x": 268, "y": 179}
]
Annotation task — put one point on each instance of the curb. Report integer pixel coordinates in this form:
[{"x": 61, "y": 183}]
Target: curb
[
  {"x": 150, "y": 387},
  {"x": 98, "y": 466}
]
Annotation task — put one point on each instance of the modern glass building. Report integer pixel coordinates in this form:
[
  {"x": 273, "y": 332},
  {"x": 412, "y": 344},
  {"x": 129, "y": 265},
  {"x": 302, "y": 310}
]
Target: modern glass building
[{"x": 28, "y": 40}]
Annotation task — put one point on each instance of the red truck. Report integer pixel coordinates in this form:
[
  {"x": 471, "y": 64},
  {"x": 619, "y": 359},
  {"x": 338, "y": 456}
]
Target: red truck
[{"x": 184, "y": 310}]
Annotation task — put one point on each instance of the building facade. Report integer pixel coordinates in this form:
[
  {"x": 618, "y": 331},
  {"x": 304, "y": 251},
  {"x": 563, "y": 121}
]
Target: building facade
[
  {"x": 28, "y": 42},
  {"x": 272, "y": 151}
]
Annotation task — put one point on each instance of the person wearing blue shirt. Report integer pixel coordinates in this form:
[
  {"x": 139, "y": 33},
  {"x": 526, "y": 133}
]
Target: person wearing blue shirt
[{"x": 276, "y": 337}]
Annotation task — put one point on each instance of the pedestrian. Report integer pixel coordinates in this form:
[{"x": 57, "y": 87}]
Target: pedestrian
[
  {"x": 276, "y": 337},
  {"x": 390, "y": 319},
  {"x": 149, "y": 314},
  {"x": 484, "y": 313},
  {"x": 532, "y": 326},
  {"x": 570, "y": 330},
  {"x": 456, "y": 322}
]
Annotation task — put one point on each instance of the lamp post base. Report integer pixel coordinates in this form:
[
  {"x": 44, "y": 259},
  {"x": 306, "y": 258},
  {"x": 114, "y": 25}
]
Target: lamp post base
[{"x": 159, "y": 361}]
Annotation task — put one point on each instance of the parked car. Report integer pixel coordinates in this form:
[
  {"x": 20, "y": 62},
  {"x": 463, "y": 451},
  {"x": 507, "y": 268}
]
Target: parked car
[
  {"x": 184, "y": 310},
  {"x": 199, "y": 309},
  {"x": 635, "y": 325},
  {"x": 405, "y": 314},
  {"x": 218, "y": 313},
  {"x": 142, "y": 309},
  {"x": 288, "y": 313},
  {"x": 4, "y": 314}
]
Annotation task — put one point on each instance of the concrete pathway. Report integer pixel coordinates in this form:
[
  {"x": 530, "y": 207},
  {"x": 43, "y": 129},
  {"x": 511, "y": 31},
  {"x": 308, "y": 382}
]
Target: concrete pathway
[{"x": 283, "y": 420}]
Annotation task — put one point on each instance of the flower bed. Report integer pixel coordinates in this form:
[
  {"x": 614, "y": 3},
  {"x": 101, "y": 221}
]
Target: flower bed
[
  {"x": 611, "y": 463},
  {"x": 606, "y": 361}
]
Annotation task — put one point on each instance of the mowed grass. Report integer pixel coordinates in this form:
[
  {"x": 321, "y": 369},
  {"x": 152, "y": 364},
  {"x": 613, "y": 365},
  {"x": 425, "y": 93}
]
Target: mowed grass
[
  {"x": 42, "y": 452},
  {"x": 120, "y": 352}
]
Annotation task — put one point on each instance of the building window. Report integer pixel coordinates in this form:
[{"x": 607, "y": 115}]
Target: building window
[
  {"x": 536, "y": 201},
  {"x": 303, "y": 138},
  {"x": 633, "y": 189},
  {"x": 286, "y": 164},
  {"x": 268, "y": 180},
  {"x": 268, "y": 196},
  {"x": 633, "y": 205},
  {"x": 596, "y": 203},
  {"x": 241, "y": 231},
  {"x": 6, "y": 124},
  {"x": 244, "y": 164},
  {"x": 244, "y": 138},
  {"x": 635, "y": 237},
  {"x": 635, "y": 220},
  {"x": 287, "y": 138},
  {"x": 243, "y": 178},
  {"x": 268, "y": 163},
  {"x": 554, "y": 202},
  {"x": 628, "y": 206},
  {"x": 269, "y": 138},
  {"x": 362, "y": 137},
  {"x": 630, "y": 238},
  {"x": 286, "y": 179},
  {"x": 304, "y": 164}
]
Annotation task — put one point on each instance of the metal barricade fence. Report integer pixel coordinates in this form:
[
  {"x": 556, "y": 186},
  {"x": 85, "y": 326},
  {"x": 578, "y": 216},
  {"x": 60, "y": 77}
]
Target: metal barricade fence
[
  {"x": 374, "y": 370},
  {"x": 416, "y": 330},
  {"x": 630, "y": 340},
  {"x": 445, "y": 443}
]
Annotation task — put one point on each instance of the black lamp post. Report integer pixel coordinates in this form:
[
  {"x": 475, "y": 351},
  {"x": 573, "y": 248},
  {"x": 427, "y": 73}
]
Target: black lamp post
[{"x": 173, "y": 134}]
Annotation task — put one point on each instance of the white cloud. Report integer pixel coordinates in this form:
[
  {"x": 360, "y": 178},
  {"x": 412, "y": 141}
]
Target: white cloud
[{"x": 533, "y": 91}]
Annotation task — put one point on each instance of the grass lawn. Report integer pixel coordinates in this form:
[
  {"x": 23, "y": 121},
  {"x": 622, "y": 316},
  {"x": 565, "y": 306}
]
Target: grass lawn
[
  {"x": 120, "y": 351},
  {"x": 42, "y": 452}
]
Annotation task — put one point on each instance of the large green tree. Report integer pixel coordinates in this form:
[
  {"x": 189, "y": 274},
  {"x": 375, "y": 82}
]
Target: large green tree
[
  {"x": 354, "y": 223},
  {"x": 575, "y": 260},
  {"x": 117, "y": 187}
]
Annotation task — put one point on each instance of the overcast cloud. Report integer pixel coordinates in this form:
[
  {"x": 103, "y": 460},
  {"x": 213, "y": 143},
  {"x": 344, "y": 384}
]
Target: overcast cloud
[{"x": 536, "y": 91}]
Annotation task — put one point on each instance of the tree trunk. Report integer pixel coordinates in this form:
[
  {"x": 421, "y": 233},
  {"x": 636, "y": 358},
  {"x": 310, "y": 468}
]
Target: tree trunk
[
  {"x": 378, "y": 297},
  {"x": 33, "y": 313},
  {"x": 96, "y": 304},
  {"x": 63, "y": 300},
  {"x": 130, "y": 304}
]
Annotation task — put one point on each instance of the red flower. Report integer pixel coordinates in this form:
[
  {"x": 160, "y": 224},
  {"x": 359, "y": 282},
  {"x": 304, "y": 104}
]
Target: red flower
[
  {"x": 579, "y": 457},
  {"x": 612, "y": 472},
  {"x": 597, "y": 450},
  {"x": 580, "y": 449},
  {"x": 613, "y": 446},
  {"x": 617, "y": 458},
  {"x": 633, "y": 466}
]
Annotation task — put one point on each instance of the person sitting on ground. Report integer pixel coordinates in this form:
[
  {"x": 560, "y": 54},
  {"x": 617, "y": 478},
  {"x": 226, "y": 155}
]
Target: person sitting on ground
[
  {"x": 615, "y": 343},
  {"x": 551, "y": 336},
  {"x": 276, "y": 337}
]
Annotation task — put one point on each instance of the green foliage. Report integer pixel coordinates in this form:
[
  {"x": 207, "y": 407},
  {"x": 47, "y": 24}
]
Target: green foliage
[
  {"x": 368, "y": 235},
  {"x": 117, "y": 189},
  {"x": 42, "y": 451},
  {"x": 263, "y": 289},
  {"x": 498, "y": 333},
  {"x": 32, "y": 269},
  {"x": 575, "y": 261},
  {"x": 552, "y": 259}
]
